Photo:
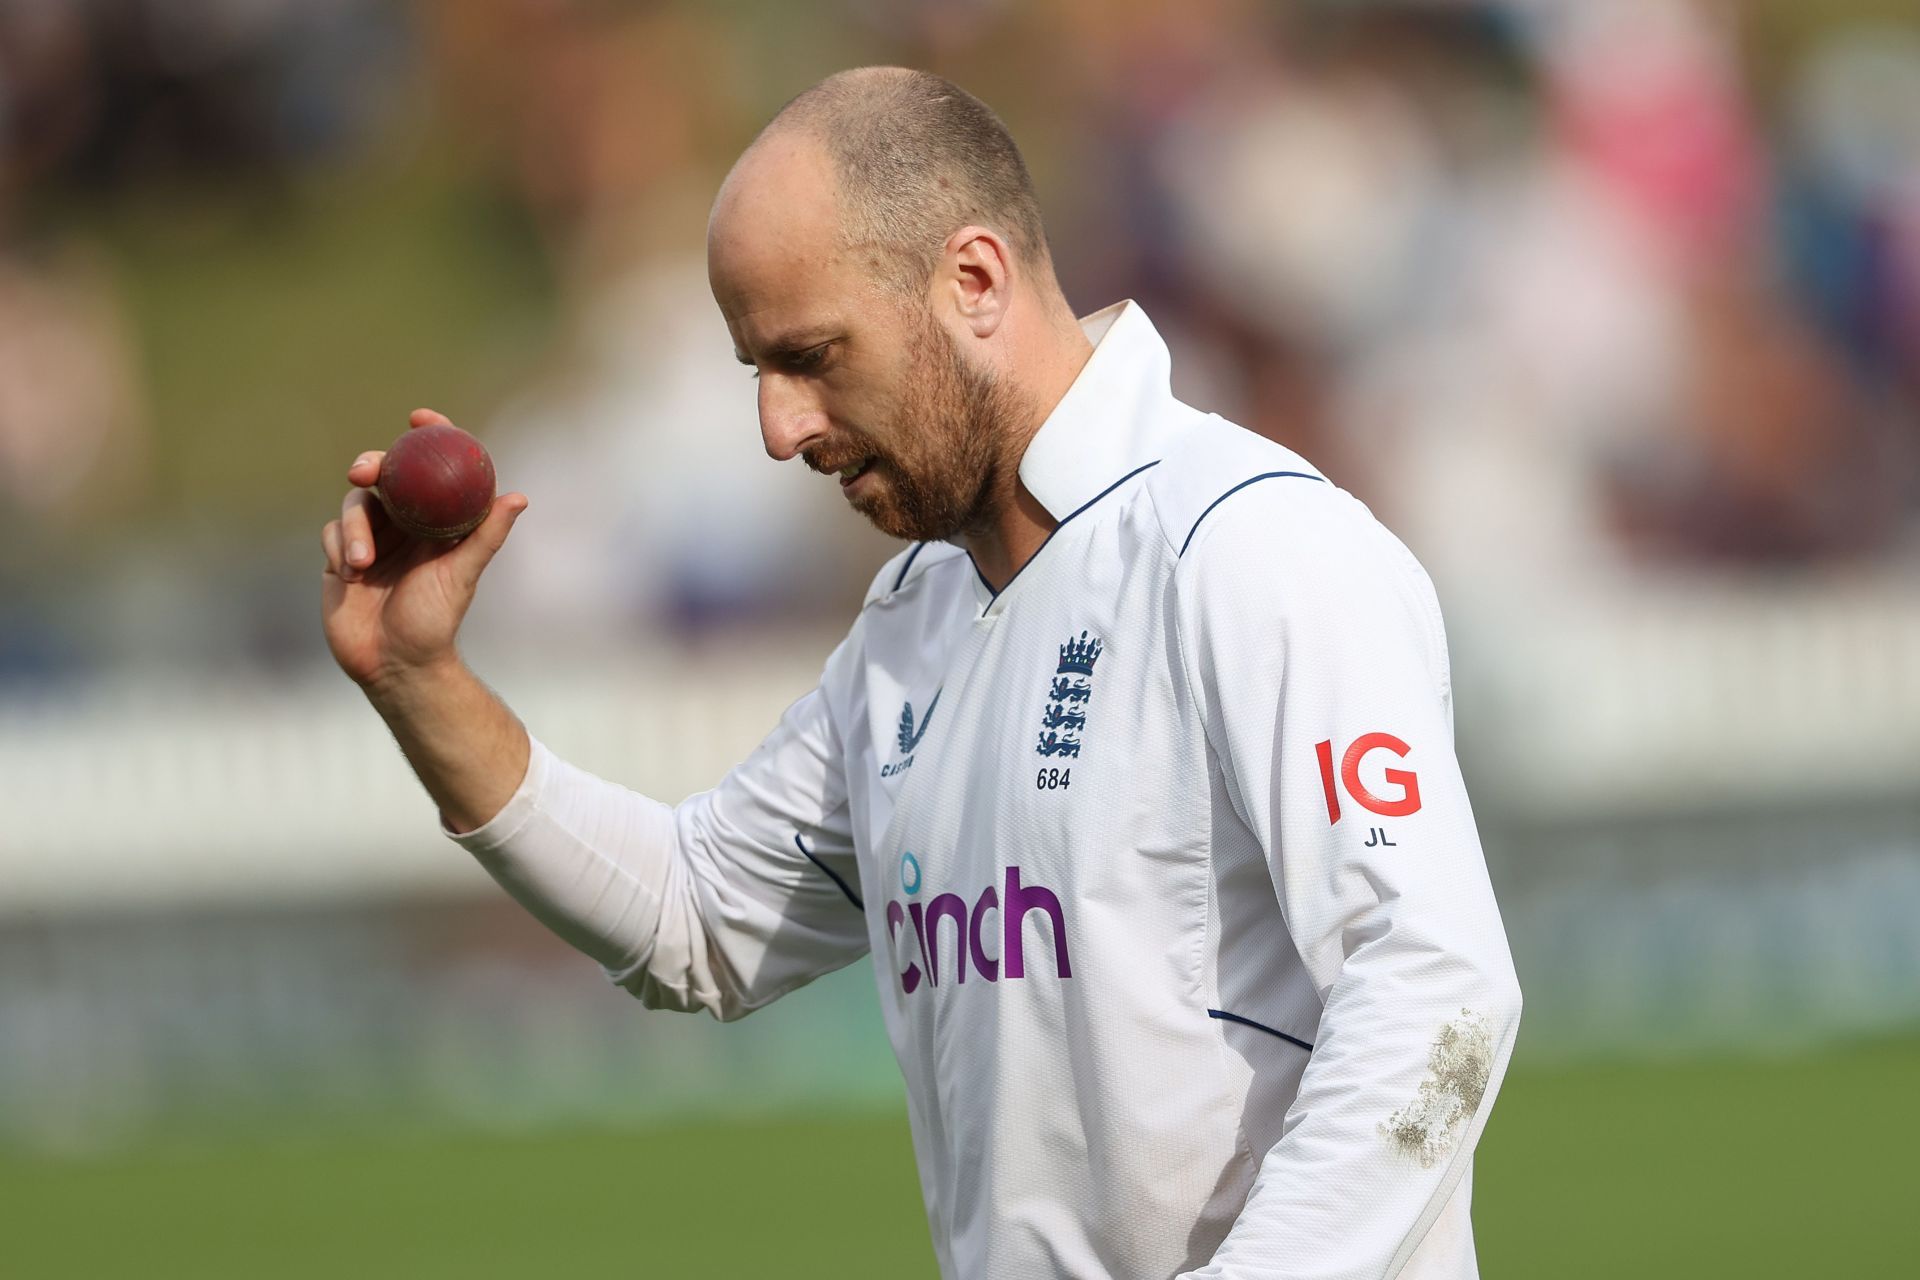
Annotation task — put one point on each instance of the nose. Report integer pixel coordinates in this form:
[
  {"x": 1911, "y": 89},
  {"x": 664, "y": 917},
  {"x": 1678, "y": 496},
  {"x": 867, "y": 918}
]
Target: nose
[{"x": 790, "y": 417}]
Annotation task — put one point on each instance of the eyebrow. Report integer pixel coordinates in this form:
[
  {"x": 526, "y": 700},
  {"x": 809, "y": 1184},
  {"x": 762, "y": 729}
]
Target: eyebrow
[{"x": 791, "y": 344}]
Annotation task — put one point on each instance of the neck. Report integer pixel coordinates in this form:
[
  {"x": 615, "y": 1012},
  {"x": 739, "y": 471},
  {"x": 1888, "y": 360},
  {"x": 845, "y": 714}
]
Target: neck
[{"x": 1017, "y": 524}]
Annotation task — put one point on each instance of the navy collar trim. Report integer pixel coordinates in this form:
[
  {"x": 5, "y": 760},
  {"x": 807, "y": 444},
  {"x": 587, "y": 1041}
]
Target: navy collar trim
[{"x": 993, "y": 595}]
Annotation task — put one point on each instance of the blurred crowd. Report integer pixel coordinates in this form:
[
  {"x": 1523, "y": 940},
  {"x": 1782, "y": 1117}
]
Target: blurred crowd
[{"x": 1565, "y": 291}]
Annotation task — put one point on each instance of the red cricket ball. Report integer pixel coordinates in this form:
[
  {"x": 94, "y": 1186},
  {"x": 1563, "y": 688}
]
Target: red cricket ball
[{"x": 436, "y": 482}]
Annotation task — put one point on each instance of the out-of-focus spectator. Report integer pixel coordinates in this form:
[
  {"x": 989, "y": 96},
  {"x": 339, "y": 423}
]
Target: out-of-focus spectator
[
  {"x": 1852, "y": 204},
  {"x": 72, "y": 436},
  {"x": 112, "y": 94},
  {"x": 606, "y": 122}
]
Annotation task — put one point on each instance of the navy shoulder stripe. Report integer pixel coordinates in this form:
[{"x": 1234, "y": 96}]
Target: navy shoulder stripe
[
  {"x": 852, "y": 897},
  {"x": 900, "y": 581},
  {"x": 1266, "y": 475}
]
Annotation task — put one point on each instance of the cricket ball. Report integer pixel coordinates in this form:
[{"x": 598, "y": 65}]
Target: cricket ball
[{"x": 436, "y": 482}]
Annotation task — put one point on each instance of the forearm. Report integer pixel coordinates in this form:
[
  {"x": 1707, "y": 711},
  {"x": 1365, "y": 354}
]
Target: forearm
[
  {"x": 468, "y": 750},
  {"x": 596, "y": 863}
]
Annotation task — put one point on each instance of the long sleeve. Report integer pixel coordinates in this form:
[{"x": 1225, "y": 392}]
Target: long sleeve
[
  {"x": 724, "y": 902},
  {"x": 1315, "y": 647}
]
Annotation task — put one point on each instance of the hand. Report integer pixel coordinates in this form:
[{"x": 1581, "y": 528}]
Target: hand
[{"x": 392, "y": 603}]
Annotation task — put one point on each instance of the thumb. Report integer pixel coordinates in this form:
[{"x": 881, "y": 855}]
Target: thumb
[{"x": 477, "y": 549}]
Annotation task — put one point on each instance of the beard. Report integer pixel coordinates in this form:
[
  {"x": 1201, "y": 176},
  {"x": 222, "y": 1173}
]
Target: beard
[{"x": 940, "y": 480}]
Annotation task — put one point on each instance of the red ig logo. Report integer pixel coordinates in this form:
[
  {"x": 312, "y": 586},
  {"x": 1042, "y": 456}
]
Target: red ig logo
[{"x": 1408, "y": 801}]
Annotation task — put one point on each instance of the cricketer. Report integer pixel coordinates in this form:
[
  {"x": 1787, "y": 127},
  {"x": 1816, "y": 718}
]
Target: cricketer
[{"x": 1133, "y": 776}]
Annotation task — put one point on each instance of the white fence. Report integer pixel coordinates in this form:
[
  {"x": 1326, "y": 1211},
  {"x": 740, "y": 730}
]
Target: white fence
[
  {"x": 200, "y": 790},
  {"x": 1680, "y": 695},
  {"x": 1669, "y": 701}
]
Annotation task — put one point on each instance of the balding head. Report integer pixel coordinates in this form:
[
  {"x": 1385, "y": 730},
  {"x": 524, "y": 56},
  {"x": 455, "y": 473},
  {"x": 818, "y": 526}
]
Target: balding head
[{"x": 914, "y": 158}]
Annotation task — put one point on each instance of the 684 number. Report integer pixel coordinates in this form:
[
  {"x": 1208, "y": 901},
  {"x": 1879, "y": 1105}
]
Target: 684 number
[{"x": 1052, "y": 779}]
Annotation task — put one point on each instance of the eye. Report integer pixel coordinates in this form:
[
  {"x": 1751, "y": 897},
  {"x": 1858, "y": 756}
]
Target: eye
[
  {"x": 812, "y": 360},
  {"x": 809, "y": 360}
]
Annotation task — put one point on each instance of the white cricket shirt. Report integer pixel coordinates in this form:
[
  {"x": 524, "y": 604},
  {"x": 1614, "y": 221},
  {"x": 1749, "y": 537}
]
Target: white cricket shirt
[{"x": 1178, "y": 915}]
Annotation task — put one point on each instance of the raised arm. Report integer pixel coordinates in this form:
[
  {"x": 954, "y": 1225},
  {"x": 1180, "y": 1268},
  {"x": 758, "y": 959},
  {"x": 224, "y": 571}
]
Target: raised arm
[
  {"x": 723, "y": 902},
  {"x": 392, "y": 606}
]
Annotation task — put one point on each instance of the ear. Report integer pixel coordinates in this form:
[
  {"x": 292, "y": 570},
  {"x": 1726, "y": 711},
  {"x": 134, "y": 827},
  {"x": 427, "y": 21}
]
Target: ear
[{"x": 976, "y": 279}]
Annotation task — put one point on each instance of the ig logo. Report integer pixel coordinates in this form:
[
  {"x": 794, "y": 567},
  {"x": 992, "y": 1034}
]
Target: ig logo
[{"x": 1407, "y": 802}]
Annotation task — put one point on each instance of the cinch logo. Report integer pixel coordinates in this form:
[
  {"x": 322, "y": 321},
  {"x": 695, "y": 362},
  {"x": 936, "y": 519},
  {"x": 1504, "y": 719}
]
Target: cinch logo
[
  {"x": 1408, "y": 801},
  {"x": 970, "y": 930}
]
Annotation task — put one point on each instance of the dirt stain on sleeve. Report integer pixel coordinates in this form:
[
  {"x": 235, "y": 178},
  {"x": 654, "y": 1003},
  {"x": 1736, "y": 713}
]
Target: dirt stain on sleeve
[{"x": 1458, "y": 1066}]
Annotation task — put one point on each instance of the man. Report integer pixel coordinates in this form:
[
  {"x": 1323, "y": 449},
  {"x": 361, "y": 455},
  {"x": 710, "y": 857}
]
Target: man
[{"x": 1134, "y": 773}]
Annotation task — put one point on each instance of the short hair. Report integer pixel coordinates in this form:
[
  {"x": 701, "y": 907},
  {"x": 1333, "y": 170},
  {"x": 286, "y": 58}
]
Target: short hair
[{"x": 915, "y": 158}]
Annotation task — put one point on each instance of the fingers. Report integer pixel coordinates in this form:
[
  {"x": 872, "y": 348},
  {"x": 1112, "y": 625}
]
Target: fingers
[
  {"x": 473, "y": 554},
  {"x": 365, "y": 469},
  {"x": 358, "y": 514},
  {"x": 330, "y": 543},
  {"x": 428, "y": 418}
]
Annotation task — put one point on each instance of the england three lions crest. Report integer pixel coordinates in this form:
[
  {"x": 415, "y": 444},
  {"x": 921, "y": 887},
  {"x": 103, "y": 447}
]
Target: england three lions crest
[{"x": 1066, "y": 713}]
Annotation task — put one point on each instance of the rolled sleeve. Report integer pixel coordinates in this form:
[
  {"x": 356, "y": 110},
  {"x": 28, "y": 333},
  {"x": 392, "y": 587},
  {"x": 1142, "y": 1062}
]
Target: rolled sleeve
[{"x": 491, "y": 835}]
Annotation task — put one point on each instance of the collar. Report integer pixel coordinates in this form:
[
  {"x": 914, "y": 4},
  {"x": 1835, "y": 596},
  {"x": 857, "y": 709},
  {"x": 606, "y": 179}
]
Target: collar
[{"x": 1112, "y": 420}]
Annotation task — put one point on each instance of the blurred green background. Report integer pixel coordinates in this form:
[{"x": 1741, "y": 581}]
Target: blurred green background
[
  {"x": 1717, "y": 1167},
  {"x": 1613, "y": 312}
]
